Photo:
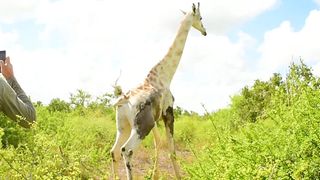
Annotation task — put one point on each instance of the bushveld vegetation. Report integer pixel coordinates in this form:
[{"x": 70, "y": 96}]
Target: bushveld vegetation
[{"x": 271, "y": 130}]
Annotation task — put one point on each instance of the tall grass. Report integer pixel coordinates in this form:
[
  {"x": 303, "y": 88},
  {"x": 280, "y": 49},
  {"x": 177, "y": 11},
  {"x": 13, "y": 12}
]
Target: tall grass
[
  {"x": 281, "y": 143},
  {"x": 270, "y": 131}
]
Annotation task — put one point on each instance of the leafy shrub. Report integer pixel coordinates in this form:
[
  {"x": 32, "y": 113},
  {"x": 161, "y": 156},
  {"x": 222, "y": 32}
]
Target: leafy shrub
[
  {"x": 59, "y": 105},
  {"x": 270, "y": 131},
  {"x": 252, "y": 102},
  {"x": 62, "y": 144},
  {"x": 282, "y": 143},
  {"x": 13, "y": 134}
]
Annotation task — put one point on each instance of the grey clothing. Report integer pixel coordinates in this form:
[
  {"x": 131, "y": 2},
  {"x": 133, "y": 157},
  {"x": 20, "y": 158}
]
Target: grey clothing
[{"x": 15, "y": 104}]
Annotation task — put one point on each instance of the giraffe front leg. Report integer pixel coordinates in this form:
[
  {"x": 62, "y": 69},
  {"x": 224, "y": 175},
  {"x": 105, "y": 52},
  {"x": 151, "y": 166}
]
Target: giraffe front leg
[
  {"x": 169, "y": 124},
  {"x": 156, "y": 136}
]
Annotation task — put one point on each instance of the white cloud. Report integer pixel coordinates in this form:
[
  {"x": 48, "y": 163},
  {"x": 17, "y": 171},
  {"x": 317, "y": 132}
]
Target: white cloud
[
  {"x": 317, "y": 1},
  {"x": 16, "y": 10},
  {"x": 283, "y": 44},
  {"x": 100, "y": 38},
  {"x": 143, "y": 17},
  {"x": 212, "y": 69},
  {"x": 223, "y": 15},
  {"x": 8, "y": 39}
]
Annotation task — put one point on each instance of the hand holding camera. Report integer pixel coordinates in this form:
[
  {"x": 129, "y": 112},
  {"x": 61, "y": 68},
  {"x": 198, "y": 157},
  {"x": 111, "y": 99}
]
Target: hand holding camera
[
  {"x": 5, "y": 65},
  {"x": 3, "y": 55}
]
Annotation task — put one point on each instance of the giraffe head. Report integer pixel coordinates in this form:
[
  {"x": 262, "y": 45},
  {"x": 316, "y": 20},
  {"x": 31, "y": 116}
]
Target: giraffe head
[{"x": 197, "y": 24}]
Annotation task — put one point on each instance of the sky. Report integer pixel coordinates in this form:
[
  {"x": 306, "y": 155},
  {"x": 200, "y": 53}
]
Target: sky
[{"x": 59, "y": 46}]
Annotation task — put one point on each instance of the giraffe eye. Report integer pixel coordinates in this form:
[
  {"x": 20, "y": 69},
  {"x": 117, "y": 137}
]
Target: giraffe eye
[{"x": 200, "y": 18}]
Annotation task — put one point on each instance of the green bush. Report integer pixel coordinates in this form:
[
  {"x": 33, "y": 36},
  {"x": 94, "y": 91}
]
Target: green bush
[
  {"x": 269, "y": 131},
  {"x": 281, "y": 143},
  {"x": 62, "y": 144}
]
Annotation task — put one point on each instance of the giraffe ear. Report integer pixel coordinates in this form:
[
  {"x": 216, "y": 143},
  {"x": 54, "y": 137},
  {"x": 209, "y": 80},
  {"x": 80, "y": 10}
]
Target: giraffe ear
[{"x": 193, "y": 9}]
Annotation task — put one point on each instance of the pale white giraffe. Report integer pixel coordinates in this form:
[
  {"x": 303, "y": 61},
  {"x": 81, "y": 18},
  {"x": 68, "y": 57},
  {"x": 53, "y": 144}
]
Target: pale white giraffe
[{"x": 138, "y": 110}]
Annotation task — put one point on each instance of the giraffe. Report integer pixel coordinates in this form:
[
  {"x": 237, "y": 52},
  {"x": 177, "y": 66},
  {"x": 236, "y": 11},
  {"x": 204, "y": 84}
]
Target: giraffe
[{"x": 138, "y": 110}]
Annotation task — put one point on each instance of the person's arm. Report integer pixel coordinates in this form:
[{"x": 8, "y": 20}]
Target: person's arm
[{"x": 14, "y": 101}]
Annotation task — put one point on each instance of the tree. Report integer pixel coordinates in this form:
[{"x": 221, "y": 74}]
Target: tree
[
  {"x": 298, "y": 79},
  {"x": 105, "y": 99},
  {"x": 252, "y": 102},
  {"x": 58, "y": 105},
  {"x": 80, "y": 99}
]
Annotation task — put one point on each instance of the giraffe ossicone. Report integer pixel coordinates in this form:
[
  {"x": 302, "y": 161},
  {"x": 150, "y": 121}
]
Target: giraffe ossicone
[{"x": 139, "y": 109}]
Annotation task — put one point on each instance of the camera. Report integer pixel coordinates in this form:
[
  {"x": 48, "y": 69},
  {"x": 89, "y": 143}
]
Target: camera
[{"x": 3, "y": 55}]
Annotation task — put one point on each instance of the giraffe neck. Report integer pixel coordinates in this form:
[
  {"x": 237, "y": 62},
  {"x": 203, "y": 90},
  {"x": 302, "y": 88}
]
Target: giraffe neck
[{"x": 162, "y": 73}]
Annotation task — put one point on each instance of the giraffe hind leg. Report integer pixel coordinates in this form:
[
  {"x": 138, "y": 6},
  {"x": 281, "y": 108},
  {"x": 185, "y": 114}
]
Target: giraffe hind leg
[
  {"x": 156, "y": 137},
  {"x": 169, "y": 125},
  {"x": 115, "y": 151},
  {"x": 123, "y": 133},
  {"x": 127, "y": 151},
  {"x": 143, "y": 124}
]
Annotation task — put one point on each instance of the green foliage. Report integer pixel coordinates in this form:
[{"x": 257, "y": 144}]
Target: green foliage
[
  {"x": 102, "y": 102},
  {"x": 62, "y": 144},
  {"x": 80, "y": 99},
  {"x": 270, "y": 131},
  {"x": 13, "y": 134},
  {"x": 279, "y": 140},
  {"x": 178, "y": 111},
  {"x": 252, "y": 102},
  {"x": 59, "y": 105}
]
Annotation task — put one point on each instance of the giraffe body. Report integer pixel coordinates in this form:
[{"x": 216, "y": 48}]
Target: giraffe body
[{"x": 138, "y": 110}]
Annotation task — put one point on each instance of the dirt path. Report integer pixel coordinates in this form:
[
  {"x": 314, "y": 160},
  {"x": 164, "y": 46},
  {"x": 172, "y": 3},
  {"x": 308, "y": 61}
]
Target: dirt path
[{"x": 143, "y": 163}]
